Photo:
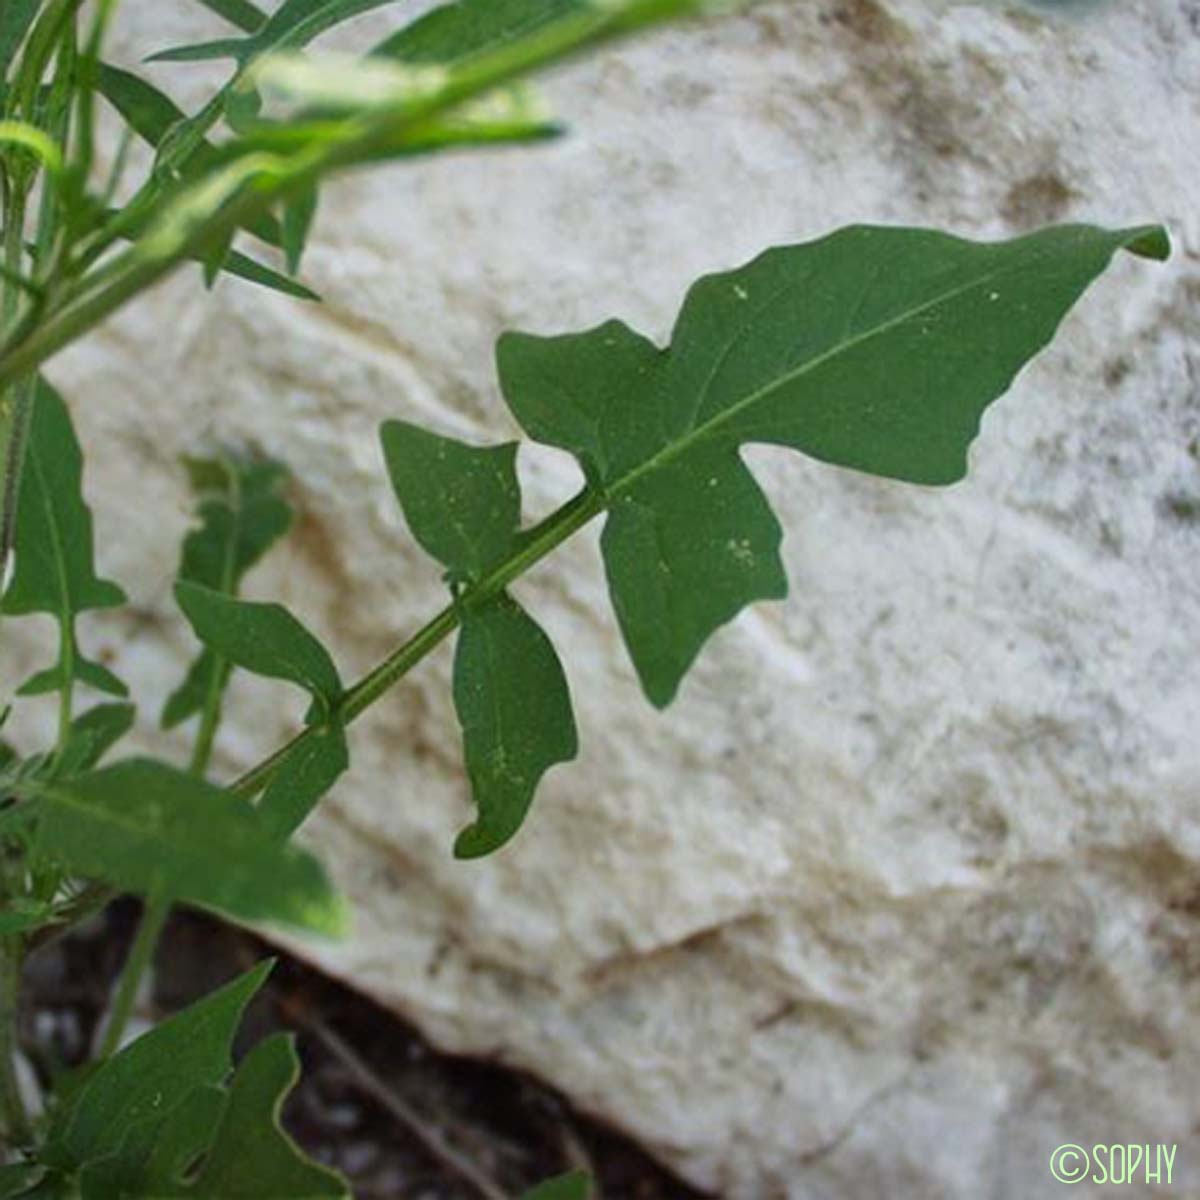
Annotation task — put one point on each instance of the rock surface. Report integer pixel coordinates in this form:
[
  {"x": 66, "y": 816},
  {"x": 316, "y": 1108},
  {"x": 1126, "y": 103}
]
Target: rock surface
[{"x": 904, "y": 891}]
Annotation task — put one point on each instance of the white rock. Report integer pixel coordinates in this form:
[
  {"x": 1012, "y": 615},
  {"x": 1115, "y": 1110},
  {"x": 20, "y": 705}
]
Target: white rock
[{"x": 904, "y": 891}]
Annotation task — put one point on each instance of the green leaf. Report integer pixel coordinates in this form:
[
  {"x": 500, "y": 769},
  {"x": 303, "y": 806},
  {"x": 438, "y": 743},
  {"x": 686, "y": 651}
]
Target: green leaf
[
  {"x": 574, "y": 1186},
  {"x": 93, "y": 734},
  {"x": 17, "y": 1179},
  {"x": 16, "y": 16},
  {"x": 298, "y": 217},
  {"x": 146, "y": 827},
  {"x": 54, "y": 559},
  {"x": 152, "y": 115},
  {"x": 263, "y": 638},
  {"x": 252, "y": 271},
  {"x": 457, "y": 32},
  {"x": 252, "y": 1157},
  {"x": 294, "y": 24},
  {"x": 246, "y": 16},
  {"x": 151, "y": 1076},
  {"x": 514, "y": 706},
  {"x": 19, "y": 914},
  {"x": 307, "y": 772},
  {"x": 242, "y": 514},
  {"x": 156, "y": 1153},
  {"x": 463, "y": 504},
  {"x": 873, "y": 348}
]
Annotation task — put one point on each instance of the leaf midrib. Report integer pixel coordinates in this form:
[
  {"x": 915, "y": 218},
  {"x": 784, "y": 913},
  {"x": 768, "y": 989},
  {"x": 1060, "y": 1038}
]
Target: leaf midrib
[{"x": 700, "y": 433}]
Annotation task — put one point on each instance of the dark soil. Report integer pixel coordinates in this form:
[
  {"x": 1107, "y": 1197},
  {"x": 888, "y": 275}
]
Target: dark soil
[{"x": 395, "y": 1116}]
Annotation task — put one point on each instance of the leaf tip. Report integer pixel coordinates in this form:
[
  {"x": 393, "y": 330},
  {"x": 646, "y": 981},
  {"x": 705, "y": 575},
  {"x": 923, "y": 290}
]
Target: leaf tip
[{"x": 1149, "y": 241}]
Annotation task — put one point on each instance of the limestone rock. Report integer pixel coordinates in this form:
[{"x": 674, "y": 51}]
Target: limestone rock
[{"x": 904, "y": 891}]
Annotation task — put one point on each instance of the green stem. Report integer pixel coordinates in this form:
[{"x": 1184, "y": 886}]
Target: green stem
[
  {"x": 158, "y": 904},
  {"x": 141, "y": 955},
  {"x": 66, "y": 692},
  {"x": 14, "y": 1122},
  {"x": 537, "y": 543},
  {"x": 265, "y": 179},
  {"x": 15, "y": 400}
]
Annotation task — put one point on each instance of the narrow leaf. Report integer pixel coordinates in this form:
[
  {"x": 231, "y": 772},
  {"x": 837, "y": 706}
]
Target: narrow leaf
[
  {"x": 54, "y": 572},
  {"x": 145, "y": 827},
  {"x": 298, "y": 217},
  {"x": 454, "y": 33},
  {"x": 304, "y": 776},
  {"x": 252, "y": 1157},
  {"x": 154, "y": 117},
  {"x": 874, "y": 348},
  {"x": 246, "y": 16},
  {"x": 16, "y": 16},
  {"x": 152, "y": 1075},
  {"x": 514, "y": 706},
  {"x": 263, "y": 638},
  {"x": 574, "y": 1186},
  {"x": 293, "y": 24},
  {"x": 252, "y": 271}
]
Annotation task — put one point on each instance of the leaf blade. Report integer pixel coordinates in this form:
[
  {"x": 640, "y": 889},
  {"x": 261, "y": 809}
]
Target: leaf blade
[
  {"x": 152, "y": 1075},
  {"x": 305, "y": 775},
  {"x": 876, "y": 349},
  {"x": 462, "y": 503},
  {"x": 251, "y": 1155},
  {"x": 514, "y": 706},
  {"x": 147, "y": 827},
  {"x": 55, "y": 570},
  {"x": 263, "y": 638}
]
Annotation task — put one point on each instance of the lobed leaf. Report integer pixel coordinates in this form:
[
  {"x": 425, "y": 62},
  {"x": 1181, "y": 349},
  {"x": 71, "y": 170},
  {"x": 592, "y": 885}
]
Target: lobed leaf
[
  {"x": 873, "y": 348},
  {"x": 55, "y": 572},
  {"x": 263, "y": 638},
  {"x": 93, "y": 734},
  {"x": 242, "y": 514},
  {"x": 152, "y": 1076},
  {"x": 463, "y": 504},
  {"x": 157, "y": 1152},
  {"x": 251, "y": 1156},
  {"x": 144, "y": 826}
]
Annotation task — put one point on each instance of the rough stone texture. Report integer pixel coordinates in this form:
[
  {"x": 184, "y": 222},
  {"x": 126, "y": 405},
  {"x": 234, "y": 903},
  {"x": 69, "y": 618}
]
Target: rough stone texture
[{"x": 904, "y": 891}]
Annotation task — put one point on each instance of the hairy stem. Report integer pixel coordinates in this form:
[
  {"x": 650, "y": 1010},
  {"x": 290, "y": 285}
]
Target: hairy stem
[{"x": 537, "y": 543}]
